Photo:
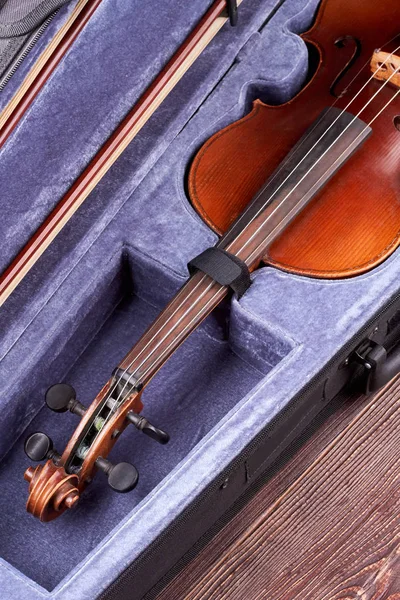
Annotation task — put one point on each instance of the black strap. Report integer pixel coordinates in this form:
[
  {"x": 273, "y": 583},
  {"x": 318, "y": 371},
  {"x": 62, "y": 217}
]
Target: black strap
[{"x": 224, "y": 268}]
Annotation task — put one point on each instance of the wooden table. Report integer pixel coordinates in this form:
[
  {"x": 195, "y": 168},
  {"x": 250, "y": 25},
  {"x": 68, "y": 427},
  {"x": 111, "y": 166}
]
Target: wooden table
[{"x": 325, "y": 527}]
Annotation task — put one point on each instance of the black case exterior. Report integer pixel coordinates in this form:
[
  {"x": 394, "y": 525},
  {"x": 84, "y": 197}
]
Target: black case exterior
[{"x": 214, "y": 508}]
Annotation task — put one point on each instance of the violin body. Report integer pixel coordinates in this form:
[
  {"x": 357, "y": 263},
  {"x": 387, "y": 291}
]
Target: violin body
[{"x": 353, "y": 224}]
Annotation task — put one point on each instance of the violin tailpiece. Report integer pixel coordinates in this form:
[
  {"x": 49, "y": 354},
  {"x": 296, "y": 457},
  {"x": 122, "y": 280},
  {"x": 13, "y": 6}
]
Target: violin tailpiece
[{"x": 386, "y": 66}]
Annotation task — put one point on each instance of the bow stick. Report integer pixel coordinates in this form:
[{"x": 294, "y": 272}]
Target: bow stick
[{"x": 167, "y": 79}]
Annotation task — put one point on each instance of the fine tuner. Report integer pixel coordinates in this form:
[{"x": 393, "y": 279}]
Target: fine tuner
[{"x": 309, "y": 187}]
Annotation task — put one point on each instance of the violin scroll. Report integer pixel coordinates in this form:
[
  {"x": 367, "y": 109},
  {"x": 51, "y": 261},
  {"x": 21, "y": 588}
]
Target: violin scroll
[
  {"x": 52, "y": 491},
  {"x": 57, "y": 485}
]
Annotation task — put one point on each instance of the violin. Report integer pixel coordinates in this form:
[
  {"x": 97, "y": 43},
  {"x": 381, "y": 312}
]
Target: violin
[{"x": 311, "y": 187}]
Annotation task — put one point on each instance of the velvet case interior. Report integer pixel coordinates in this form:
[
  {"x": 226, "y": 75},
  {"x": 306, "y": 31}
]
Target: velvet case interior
[{"x": 118, "y": 262}]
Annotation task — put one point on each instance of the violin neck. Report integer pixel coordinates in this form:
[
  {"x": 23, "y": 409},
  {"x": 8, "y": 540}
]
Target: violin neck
[
  {"x": 193, "y": 303},
  {"x": 284, "y": 195}
]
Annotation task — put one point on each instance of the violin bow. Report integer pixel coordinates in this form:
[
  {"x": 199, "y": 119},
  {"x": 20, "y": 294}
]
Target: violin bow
[{"x": 130, "y": 126}]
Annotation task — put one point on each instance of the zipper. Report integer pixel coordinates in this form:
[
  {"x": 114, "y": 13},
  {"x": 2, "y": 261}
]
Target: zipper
[{"x": 22, "y": 55}]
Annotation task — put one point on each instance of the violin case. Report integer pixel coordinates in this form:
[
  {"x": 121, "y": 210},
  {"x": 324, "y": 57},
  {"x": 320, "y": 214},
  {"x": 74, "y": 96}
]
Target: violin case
[{"x": 242, "y": 390}]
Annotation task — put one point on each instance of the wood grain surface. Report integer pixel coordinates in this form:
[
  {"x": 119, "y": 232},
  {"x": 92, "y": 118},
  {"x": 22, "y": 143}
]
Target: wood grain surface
[{"x": 326, "y": 527}]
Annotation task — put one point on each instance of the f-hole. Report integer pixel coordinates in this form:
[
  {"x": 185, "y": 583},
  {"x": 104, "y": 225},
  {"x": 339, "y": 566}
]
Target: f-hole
[
  {"x": 396, "y": 122},
  {"x": 343, "y": 42}
]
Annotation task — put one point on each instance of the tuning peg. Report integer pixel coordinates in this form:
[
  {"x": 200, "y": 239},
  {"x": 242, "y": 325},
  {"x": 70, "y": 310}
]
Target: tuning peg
[
  {"x": 39, "y": 446},
  {"x": 62, "y": 397},
  {"x": 146, "y": 427},
  {"x": 122, "y": 477}
]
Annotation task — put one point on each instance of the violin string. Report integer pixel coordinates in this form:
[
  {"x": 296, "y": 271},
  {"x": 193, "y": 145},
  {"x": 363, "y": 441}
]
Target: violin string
[
  {"x": 207, "y": 306},
  {"x": 211, "y": 285},
  {"x": 269, "y": 182},
  {"x": 318, "y": 160},
  {"x": 371, "y": 78},
  {"x": 293, "y": 209}
]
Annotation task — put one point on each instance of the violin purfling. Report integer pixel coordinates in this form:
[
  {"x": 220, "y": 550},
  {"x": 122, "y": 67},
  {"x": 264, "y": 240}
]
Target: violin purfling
[{"x": 309, "y": 187}]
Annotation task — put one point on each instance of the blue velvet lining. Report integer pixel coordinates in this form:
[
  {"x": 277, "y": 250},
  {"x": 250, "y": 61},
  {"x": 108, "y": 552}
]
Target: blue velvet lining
[{"x": 117, "y": 263}]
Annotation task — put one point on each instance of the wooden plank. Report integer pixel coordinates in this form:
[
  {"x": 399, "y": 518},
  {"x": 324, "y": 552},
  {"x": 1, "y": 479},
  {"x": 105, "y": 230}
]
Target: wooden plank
[{"x": 326, "y": 527}]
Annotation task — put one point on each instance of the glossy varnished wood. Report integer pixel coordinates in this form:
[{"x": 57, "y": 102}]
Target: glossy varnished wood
[
  {"x": 51, "y": 491},
  {"x": 354, "y": 223},
  {"x": 326, "y": 527}
]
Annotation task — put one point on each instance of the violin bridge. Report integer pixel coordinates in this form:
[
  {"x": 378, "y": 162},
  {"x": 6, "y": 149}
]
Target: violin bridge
[{"x": 386, "y": 66}]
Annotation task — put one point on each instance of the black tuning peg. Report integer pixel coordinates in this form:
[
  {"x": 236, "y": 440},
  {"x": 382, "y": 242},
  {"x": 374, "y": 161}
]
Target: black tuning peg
[
  {"x": 122, "y": 477},
  {"x": 39, "y": 446},
  {"x": 62, "y": 397},
  {"x": 146, "y": 427}
]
